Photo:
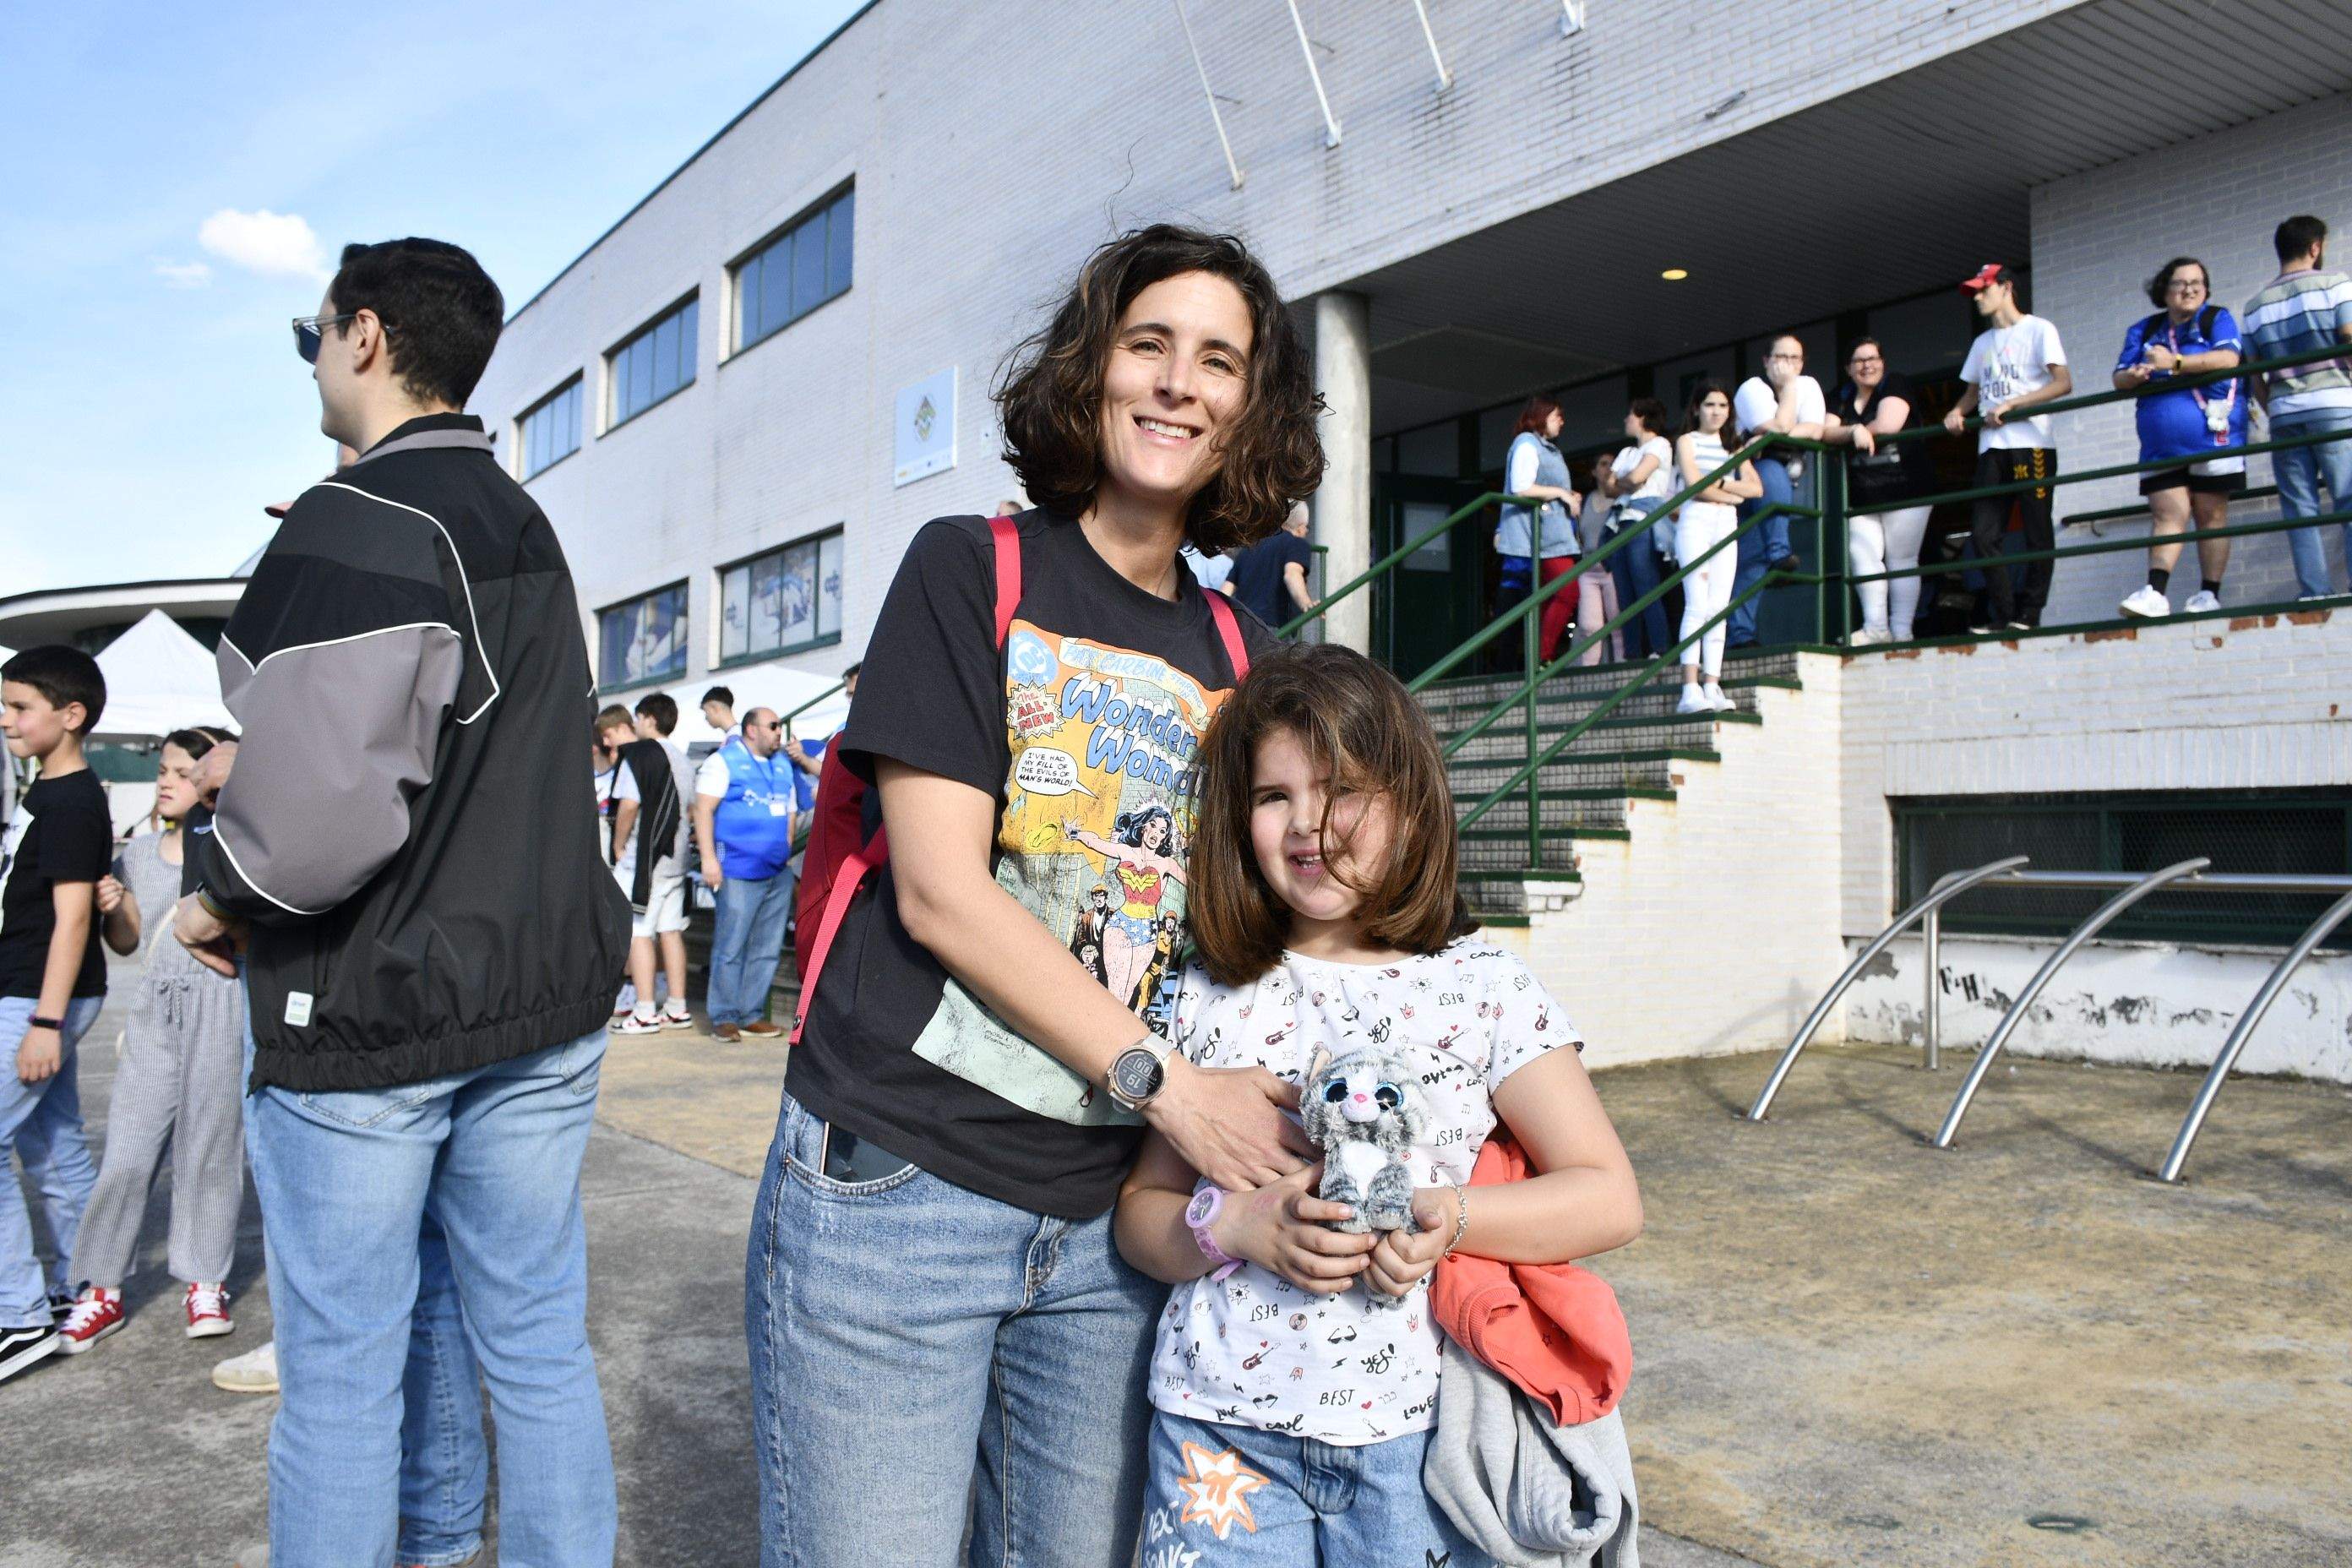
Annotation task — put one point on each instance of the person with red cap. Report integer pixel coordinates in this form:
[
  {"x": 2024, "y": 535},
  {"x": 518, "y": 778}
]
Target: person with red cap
[{"x": 2016, "y": 363}]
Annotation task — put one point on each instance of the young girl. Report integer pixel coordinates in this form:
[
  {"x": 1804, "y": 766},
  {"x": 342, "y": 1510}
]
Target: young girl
[
  {"x": 1292, "y": 1408},
  {"x": 1705, "y": 521},
  {"x": 180, "y": 1087}
]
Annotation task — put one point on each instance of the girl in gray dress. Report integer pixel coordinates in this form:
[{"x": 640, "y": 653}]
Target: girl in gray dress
[{"x": 177, "y": 1088}]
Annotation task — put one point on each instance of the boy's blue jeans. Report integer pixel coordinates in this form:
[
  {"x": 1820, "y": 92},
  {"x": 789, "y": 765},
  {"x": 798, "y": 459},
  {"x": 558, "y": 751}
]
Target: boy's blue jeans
[
  {"x": 42, "y": 1121},
  {"x": 1761, "y": 548},
  {"x": 747, "y": 941},
  {"x": 1241, "y": 1498},
  {"x": 382, "y": 1207},
  {"x": 907, "y": 1331}
]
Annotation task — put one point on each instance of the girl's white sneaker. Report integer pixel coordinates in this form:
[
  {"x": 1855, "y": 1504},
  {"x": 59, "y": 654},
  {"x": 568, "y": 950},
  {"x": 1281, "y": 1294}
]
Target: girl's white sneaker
[
  {"x": 1694, "y": 701},
  {"x": 1716, "y": 699}
]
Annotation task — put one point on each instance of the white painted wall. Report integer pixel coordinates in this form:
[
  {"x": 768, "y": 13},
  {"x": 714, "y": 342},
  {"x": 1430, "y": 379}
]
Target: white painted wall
[
  {"x": 2259, "y": 702},
  {"x": 2097, "y": 238}
]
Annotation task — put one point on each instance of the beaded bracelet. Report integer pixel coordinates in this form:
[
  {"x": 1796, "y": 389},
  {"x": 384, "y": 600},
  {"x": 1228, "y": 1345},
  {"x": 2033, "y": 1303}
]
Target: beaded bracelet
[{"x": 1461, "y": 1216}]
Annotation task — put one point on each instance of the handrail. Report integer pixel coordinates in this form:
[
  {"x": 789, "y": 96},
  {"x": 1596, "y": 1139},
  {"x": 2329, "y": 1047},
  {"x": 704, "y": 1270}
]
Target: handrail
[
  {"x": 2218, "y": 1074},
  {"x": 2128, "y": 393},
  {"x": 2100, "y": 918},
  {"x": 1947, "y": 887},
  {"x": 1388, "y": 562},
  {"x": 787, "y": 719}
]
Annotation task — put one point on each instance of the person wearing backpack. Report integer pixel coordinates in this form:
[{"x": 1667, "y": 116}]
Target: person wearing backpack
[
  {"x": 931, "y": 1287},
  {"x": 2188, "y": 334}
]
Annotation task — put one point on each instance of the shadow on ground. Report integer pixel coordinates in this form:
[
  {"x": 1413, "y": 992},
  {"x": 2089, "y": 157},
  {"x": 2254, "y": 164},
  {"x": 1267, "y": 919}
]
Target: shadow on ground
[{"x": 1851, "y": 1348}]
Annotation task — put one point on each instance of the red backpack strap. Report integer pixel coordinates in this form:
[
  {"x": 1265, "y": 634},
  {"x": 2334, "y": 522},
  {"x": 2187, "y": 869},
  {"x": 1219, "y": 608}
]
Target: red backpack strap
[
  {"x": 1221, "y": 610},
  {"x": 847, "y": 878},
  {"x": 1007, "y": 535}
]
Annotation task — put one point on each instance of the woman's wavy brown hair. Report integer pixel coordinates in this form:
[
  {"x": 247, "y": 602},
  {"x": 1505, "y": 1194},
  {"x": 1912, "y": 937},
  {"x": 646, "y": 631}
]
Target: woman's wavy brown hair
[
  {"x": 1050, "y": 394},
  {"x": 1357, "y": 722}
]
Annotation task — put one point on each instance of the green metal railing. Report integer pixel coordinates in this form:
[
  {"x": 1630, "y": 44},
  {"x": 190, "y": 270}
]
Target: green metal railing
[{"x": 1834, "y": 578}]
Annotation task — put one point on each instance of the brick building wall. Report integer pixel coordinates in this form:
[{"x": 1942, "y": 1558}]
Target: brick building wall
[
  {"x": 2097, "y": 238},
  {"x": 990, "y": 158},
  {"x": 2256, "y": 703}
]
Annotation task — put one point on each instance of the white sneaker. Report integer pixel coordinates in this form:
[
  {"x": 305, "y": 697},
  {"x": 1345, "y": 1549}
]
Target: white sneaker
[
  {"x": 1715, "y": 699},
  {"x": 1694, "y": 701},
  {"x": 2147, "y": 602},
  {"x": 637, "y": 1024},
  {"x": 680, "y": 1019},
  {"x": 254, "y": 1372},
  {"x": 2201, "y": 604},
  {"x": 1866, "y": 637}
]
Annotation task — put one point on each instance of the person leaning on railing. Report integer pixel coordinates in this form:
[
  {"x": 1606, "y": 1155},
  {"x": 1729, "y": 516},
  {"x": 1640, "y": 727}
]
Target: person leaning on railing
[
  {"x": 1885, "y": 482},
  {"x": 2015, "y": 364},
  {"x": 2304, "y": 308},
  {"x": 2189, "y": 333},
  {"x": 1635, "y": 480},
  {"x": 1784, "y": 401}
]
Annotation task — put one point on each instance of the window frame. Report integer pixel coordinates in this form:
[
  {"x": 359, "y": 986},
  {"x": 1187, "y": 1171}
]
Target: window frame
[
  {"x": 782, "y": 236},
  {"x": 682, "y": 585},
  {"x": 577, "y": 380},
  {"x": 613, "y": 417},
  {"x": 724, "y": 660}
]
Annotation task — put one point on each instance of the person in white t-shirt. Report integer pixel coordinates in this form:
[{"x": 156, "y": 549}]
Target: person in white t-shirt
[
  {"x": 1295, "y": 1376},
  {"x": 1786, "y": 400},
  {"x": 658, "y": 929},
  {"x": 1636, "y": 482},
  {"x": 2016, "y": 363}
]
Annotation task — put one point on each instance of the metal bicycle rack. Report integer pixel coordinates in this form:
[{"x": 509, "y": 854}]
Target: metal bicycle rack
[
  {"x": 2128, "y": 888},
  {"x": 1947, "y": 887}
]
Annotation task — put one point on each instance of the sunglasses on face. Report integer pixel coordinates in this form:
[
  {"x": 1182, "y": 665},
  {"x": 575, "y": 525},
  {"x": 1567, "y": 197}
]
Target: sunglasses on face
[{"x": 310, "y": 330}]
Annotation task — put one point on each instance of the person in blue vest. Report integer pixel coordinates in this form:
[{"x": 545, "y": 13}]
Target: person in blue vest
[{"x": 743, "y": 805}]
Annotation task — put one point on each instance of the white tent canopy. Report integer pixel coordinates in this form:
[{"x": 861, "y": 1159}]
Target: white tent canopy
[
  {"x": 776, "y": 686},
  {"x": 158, "y": 680}
]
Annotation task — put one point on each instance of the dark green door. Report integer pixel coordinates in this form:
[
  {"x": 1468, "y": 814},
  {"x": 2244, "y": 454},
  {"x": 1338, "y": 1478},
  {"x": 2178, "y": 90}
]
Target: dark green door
[{"x": 1434, "y": 598}]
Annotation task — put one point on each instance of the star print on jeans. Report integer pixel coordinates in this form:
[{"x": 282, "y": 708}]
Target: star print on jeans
[{"x": 1217, "y": 1488}]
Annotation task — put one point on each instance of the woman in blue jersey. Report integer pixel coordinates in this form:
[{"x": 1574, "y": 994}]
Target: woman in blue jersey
[{"x": 2188, "y": 334}]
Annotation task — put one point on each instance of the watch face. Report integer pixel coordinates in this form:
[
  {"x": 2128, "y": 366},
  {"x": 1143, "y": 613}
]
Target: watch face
[
  {"x": 1136, "y": 1074},
  {"x": 1197, "y": 1214}
]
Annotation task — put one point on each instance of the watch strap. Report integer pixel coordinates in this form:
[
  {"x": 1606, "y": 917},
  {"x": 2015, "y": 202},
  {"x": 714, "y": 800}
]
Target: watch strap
[{"x": 40, "y": 1023}]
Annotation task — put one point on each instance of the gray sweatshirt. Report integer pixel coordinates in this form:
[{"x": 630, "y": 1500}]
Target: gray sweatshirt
[{"x": 1528, "y": 1493}]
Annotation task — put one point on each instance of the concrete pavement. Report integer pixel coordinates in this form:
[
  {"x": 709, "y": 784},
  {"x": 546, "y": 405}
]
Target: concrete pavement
[{"x": 1851, "y": 1349}]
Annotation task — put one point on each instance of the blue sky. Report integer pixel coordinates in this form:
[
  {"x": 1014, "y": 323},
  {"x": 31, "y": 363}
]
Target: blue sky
[{"x": 168, "y": 167}]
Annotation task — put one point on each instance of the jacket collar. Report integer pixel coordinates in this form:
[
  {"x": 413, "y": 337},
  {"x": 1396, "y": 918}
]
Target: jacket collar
[{"x": 460, "y": 431}]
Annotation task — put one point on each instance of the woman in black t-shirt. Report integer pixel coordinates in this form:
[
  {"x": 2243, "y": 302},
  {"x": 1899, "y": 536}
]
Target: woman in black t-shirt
[
  {"x": 1884, "y": 479},
  {"x": 931, "y": 1281}
]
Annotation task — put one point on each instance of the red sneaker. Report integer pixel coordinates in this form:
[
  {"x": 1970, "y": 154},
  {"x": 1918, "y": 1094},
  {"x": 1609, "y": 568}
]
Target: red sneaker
[
  {"x": 208, "y": 1311},
  {"x": 96, "y": 1314}
]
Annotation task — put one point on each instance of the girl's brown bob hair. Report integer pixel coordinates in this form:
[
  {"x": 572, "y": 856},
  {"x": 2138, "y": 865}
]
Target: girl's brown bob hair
[
  {"x": 1050, "y": 394},
  {"x": 1357, "y": 722},
  {"x": 1535, "y": 416}
]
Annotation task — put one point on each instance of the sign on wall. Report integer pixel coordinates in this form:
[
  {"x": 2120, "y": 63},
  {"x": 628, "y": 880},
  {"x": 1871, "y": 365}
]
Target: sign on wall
[{"x": 925, "y": 444}]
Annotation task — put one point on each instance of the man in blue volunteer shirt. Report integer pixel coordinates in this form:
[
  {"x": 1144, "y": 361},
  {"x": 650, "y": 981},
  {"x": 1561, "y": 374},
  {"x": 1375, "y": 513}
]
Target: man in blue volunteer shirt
[{"x": 743, "y": 801}]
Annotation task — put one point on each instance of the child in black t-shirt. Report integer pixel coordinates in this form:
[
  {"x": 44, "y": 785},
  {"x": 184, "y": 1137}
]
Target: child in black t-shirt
[{"x": 53, "y": 850}]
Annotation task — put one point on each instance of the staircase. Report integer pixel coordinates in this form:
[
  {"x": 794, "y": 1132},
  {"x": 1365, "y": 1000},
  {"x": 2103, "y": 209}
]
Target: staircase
[{"x": 1629, "y": 769}]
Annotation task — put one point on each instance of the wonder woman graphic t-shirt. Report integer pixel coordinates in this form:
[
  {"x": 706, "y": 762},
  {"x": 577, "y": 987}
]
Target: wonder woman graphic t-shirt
[{"x": 1085, "y": 729}]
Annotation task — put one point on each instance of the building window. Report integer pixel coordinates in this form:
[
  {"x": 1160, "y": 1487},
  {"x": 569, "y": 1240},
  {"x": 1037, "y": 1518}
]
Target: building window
[
  {"x": 656, "y": 363},
  {"x": 2297, "y": 830},
  {"x": 782, "y": 601},
  {"x": 550, "y": 429},
  {"x": 795, "y": 271},
  {"x": 643, "y": 639}
]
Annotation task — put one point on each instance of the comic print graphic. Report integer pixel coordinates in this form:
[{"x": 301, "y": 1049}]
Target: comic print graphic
[{"x": 1097, "y": 825}]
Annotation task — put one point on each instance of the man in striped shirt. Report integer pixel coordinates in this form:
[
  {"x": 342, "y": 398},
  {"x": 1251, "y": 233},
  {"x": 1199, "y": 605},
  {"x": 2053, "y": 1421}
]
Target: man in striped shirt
[{"x": 2305, "y": 307}]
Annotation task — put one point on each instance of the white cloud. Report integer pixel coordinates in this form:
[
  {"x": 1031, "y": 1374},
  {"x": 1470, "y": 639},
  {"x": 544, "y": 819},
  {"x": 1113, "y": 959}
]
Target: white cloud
[
  {"x": 183, "y": 274},
  {"x": 273, "y": 244}
]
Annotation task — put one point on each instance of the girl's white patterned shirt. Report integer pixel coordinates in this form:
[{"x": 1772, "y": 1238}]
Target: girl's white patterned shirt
[{"x": 1254, "y": 1349}]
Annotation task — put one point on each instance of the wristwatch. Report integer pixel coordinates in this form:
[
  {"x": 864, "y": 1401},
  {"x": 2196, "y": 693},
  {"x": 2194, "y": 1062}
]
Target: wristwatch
[
  {"x": 57, "y": 1024},
  {"x": 1207, "y": 1204},
  {"x": 1139, "y": 1073}
]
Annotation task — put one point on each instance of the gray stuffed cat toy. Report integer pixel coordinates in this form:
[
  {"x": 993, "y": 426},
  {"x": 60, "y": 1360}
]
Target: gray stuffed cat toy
[{"x": 1365, "y": 1109}]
